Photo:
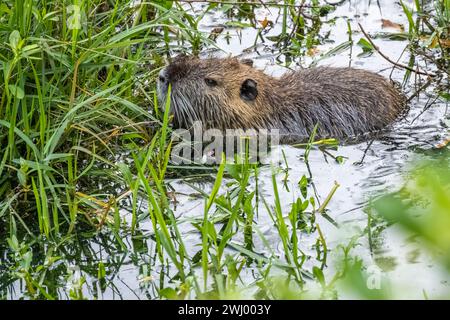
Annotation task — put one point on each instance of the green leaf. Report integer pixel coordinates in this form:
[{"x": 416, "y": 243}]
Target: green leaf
[
  {"x": 4, "y": 9},
  {"x": 14, "y": 39},
  {"x": 101, "y": 270},
  {"x": 318, "y": 274},
  {"x": 366, "y": 46},
  {"x": 16, "y": 91},
  {"x": 340, "y": 159},
  {"x": 445, "y": 95},
  {"x": 13, "y": 243},
  {"x": 168, "y": 293},
  {"x": 303, "y": 185},
  {"x": 164, "y": 3},
  {"x": 22, "y": 176}
]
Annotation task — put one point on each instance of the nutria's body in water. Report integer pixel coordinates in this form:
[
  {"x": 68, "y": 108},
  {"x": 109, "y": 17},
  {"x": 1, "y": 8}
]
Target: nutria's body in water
[{"x": 231, "y": 94}]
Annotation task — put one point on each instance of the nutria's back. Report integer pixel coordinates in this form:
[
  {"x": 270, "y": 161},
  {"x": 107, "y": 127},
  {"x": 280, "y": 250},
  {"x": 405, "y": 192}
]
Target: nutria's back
[{"x": 231, "y": 94}]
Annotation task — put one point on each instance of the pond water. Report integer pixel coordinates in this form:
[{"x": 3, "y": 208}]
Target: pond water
[
  {"x": 386, "y": 161},
  {"x": 369, "y": 168}
]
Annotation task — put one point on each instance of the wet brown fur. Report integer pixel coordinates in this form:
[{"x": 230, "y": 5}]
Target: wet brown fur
[{"x": 345, "y": 102}]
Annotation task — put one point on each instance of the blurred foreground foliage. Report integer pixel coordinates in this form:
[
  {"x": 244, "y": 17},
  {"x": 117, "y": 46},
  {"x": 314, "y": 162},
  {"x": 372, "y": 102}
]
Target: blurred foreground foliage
[{"x": 422, "y": 206}]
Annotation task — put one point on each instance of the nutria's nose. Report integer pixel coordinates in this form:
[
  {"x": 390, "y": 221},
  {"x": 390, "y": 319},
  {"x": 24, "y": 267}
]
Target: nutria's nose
[{"x": 163, "y": 75}]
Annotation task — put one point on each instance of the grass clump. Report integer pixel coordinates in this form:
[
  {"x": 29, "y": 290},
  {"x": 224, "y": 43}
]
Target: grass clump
[{"x": 73, "y": 96}]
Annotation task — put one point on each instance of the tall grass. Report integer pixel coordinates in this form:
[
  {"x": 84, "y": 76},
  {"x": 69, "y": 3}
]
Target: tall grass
[{"x": 72, "y": 98}]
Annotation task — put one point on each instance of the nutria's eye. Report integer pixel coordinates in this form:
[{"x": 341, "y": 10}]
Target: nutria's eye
[
  {"x": 211, "y": 82},
  {"x": 249, "y": 90}
]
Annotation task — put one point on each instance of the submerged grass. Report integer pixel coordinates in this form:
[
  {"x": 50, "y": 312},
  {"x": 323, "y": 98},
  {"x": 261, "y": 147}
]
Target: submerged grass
[{"x": 82, "y": 139}]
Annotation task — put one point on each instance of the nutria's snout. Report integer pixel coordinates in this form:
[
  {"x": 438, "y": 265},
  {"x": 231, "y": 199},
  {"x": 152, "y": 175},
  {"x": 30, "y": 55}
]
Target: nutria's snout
[
  {"x": 162, "y": 78},
  {"x": 162, "y": 84},
  {"x": 232, "y": 94}
]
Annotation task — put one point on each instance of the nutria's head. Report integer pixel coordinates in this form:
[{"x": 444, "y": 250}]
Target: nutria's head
[{"x": 222, "y": 93}]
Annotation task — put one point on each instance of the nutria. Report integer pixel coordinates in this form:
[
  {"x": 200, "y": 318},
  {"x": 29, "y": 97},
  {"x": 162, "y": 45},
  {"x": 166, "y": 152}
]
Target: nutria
[{"x": 232, "y": 94}]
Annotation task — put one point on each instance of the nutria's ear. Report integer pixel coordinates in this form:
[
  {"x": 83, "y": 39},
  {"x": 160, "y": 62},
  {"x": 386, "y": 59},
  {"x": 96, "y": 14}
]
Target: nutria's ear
[
  {"x": 249, "y": 92},
  {"x": 248, "y": 62},
  {"x": 179, "y": 57}
]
